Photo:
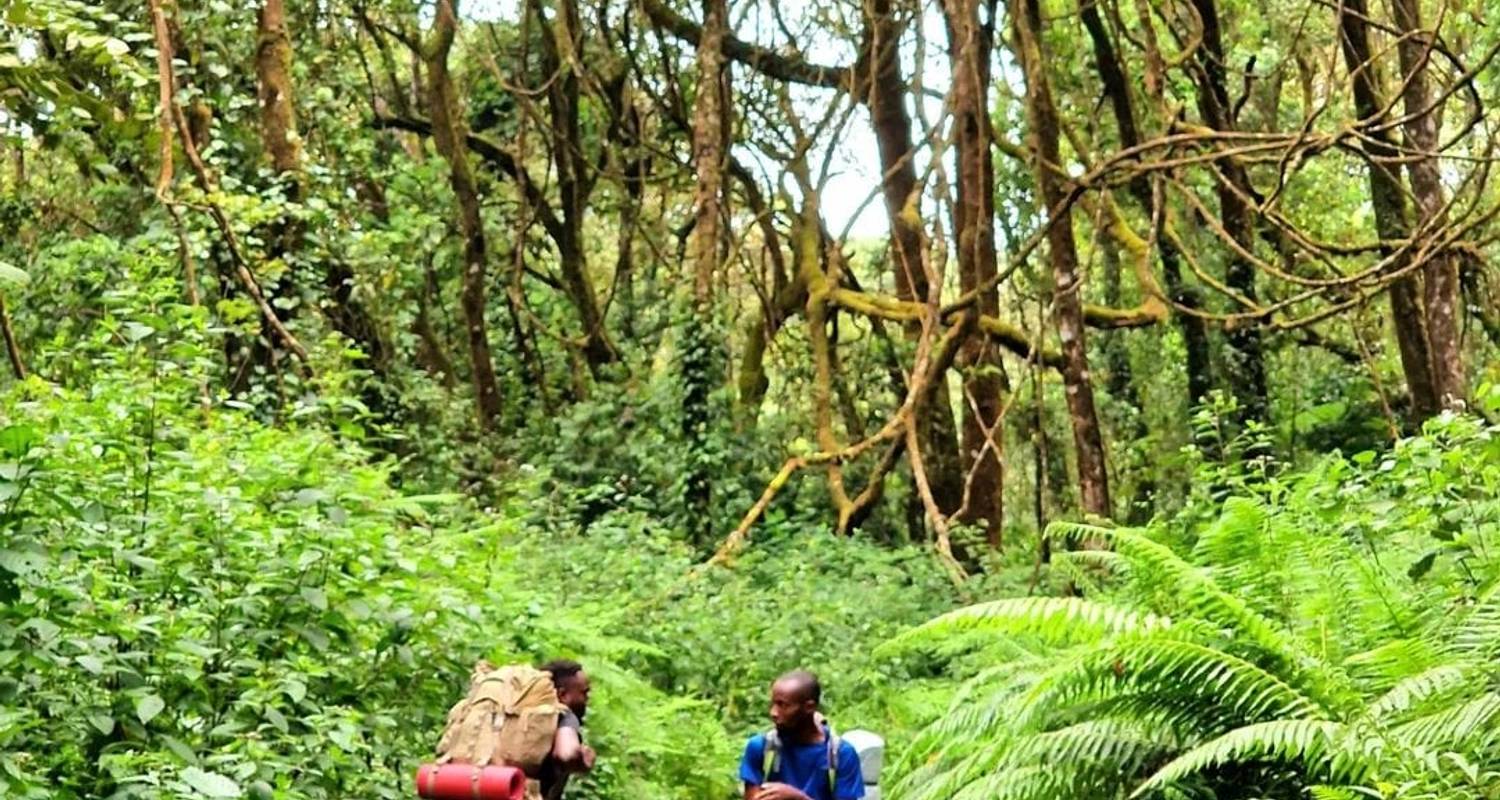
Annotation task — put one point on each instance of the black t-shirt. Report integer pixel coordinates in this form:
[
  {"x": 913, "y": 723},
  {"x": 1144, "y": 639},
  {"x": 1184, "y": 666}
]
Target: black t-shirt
[{"x": 553, "y": 779}]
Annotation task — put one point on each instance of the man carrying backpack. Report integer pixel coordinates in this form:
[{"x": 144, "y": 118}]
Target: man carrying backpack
[
  {"x": 800, "y": 758},
  {"x": 569, "y": 754},
  {"x": 516, "y": 716}
]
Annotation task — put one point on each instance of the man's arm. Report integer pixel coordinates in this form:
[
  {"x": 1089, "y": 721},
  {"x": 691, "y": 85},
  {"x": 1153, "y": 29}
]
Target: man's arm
[
  {"x": 753, "y": 776},
  {"x": 569, "y": 751},
  {"x": 775, "y": 791}
]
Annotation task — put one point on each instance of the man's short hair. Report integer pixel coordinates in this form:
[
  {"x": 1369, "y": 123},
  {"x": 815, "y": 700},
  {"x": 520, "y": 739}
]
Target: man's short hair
[
  {"x": 562, "y": 669},
  {"x": 807, "y": 681}
]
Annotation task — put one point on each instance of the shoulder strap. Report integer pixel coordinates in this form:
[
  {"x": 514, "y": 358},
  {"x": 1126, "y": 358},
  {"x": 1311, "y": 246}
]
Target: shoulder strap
[
  {"x": 770, "y": 760},
  {"x": 834, "y": 744}
]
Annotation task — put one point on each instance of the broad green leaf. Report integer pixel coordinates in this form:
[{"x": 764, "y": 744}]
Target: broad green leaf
[
  {"x": 296, "y": 690},
  {"x": 102, "y": 721},
  {"x": 147, "y": 707},
  {"x": 11, "y": 275},
  {"x": 135, "y": 331},
  {"x": 315, "y": 597},
  {"x": 180, "y": 749},
  {"x": 210, "y": 784}
]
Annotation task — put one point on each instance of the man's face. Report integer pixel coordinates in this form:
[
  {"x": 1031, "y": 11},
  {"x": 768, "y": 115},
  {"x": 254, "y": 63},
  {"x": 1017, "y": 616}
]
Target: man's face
[
  {"x": 791, "y": 708},
  {"x": 574, "y": 693}
]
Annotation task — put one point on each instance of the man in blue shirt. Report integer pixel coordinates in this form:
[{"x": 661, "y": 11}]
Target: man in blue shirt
[{"x": 800, "y": 745}]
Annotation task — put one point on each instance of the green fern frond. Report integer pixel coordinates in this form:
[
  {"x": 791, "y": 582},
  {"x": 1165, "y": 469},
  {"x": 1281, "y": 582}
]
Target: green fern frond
[
  {"x": 1386, "y": 664},
  {"x": 1235, "y": 688},
  {"x": 1125, "y": 744},
  {"x": 1333, "y": 793},
  {"x": 979, "y": 715},
  {"x": 1056, "y": 620},
  {"x": 1478, "y": 635},
  {"x": 1235, "y": 544},
  {"x": 1193, "y": 588},
  {"x": 947, "y": 773},
  {"x": 1011, "y": 784},
  {"x": 1105, "y": 561},
  {"x": 1453, "y": 727},
  {"x": 1304, "y": 741},
  {"x": 1182, "y": 718},
  {"x": 1418, "y": 689}
]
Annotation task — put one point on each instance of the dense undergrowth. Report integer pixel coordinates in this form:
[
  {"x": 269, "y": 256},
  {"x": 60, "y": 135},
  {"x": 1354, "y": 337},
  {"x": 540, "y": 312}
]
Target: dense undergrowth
[
  {"x": 1332, "y": 634},
  {"x": 198, "y": 602},
  {"x": 202, "y": 599}
]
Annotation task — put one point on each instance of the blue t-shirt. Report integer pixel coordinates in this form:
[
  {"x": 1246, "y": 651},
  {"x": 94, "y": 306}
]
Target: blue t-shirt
[{"x": 805, "y": 767}]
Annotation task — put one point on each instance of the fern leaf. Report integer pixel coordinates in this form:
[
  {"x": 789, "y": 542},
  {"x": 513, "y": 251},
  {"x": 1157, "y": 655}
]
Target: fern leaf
[
  {"x": 1051, "y": 619},
  {"x": 1453, "y": 727},
  {"x": 1122, "y": 744},
  {"x": 1293, "y": 740},
  {"x": 1478, "y": 636},
  {"x": 1420, "y": 688},
  {"x": 1236, "y": 689}
]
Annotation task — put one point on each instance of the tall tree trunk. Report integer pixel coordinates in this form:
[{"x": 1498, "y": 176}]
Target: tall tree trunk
[
  {"x": 1246, "y": 361},
  {"x": 1441, "y": 296},
  {"x": 788, "y": 295},
  {"x": 1117, "y": 360},
  {"x": 448, "y": 135},
  {"x": 278, "y": 126},
  {"x": 699, "y": 356},
  {"x": 278, "y": 117},
  {"x": 1194, "y": 329},
  {"x": 893, "y": 132},
  {"x": 1479, "y": 296},
  {"x": 633, "y": 164},
  {"x": 886, "y": 99},
  {"x": 562, "y": 51},
  {"x": 12, "y": 347},
  {"x": 630, "y": 211},
  {"x": 1045, "y": 133},
  {"x": 1386, "y": 195},
  {"x": 969, "y": 43}
]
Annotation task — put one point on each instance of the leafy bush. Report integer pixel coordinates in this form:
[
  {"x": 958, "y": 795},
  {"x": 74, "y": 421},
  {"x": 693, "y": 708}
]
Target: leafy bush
[
  {"x": 199, "y": 605},
  {"x": 1336, "y": 633},
  {"x": 199, "y": 602}
]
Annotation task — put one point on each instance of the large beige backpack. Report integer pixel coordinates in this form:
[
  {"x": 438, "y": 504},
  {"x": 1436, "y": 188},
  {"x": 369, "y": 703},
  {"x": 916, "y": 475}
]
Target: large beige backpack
[{"x": 508, "y": 718}]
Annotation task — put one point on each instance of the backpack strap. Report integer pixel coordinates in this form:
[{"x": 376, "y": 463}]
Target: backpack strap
[
  {"x": 834, "y": 744},
  {"x": 770, "y": 759}
]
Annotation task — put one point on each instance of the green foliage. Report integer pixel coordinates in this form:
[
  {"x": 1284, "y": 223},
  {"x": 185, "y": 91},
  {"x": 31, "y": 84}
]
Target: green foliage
[
  {"x": 197, "y": 603},
  {"x": 1333, "y": 632}
]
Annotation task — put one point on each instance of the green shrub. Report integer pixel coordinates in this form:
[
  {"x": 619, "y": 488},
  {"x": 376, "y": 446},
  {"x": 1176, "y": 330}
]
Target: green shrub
[
  {"x": 1334, "y": 633},
  {"x": 196, "y": 604}
]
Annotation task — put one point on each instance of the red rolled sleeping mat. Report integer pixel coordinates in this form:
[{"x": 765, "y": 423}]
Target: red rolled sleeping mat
[{"x": 468, "y": 782}]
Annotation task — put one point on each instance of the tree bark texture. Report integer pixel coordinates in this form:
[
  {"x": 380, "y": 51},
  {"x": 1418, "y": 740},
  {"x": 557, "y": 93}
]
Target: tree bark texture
[
  {"x": 1246, "y": 361},
  {"x": 974, "y": 232},
  {"x": 1408, "y": 316},
  {"x": 1045, "y": 133},
  {"x": 699, "y": 350},
  {"x": 1441, "y": 284},
  {"x": 448, "y": 135},
  {"x": 886, "y": 100}
]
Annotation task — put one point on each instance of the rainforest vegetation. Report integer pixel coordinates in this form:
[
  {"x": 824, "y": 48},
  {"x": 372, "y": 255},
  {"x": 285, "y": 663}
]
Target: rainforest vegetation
[{"x": 1101, "y": 396}]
